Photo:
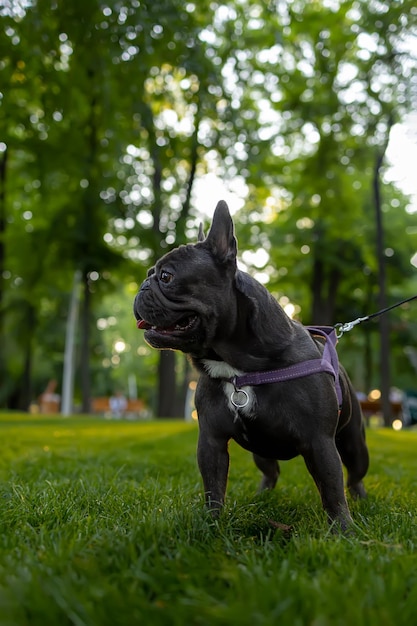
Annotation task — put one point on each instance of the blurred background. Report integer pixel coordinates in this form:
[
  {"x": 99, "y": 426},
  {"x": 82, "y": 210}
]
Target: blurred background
[{"x": 123, "y": 123}]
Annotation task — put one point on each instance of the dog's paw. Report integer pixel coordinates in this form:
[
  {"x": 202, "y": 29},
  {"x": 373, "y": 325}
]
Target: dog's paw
[{"x": 357, "y": 491}]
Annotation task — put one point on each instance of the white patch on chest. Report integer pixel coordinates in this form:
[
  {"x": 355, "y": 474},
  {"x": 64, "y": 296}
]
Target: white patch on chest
[{"x": 220, "y": 369}]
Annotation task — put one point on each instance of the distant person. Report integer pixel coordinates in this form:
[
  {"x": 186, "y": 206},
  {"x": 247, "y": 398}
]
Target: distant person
[
  {"x": 395, "y": 394},
  {"x": 118, "y": 405},
  {"x": 49, "y": 399}
]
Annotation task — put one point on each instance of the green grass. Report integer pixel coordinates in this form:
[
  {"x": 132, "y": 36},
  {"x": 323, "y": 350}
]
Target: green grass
[{"x": 102, "y": 523}]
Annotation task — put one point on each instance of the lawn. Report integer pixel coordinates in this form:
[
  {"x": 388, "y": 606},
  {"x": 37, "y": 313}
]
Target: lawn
[{"x": 102, "y": 523}]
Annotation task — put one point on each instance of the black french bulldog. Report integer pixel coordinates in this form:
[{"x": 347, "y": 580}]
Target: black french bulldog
[{"x": 197, "y": 301}]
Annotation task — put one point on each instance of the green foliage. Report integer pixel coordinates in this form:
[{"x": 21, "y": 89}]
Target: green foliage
[
  {"x": 89, "y": 140},
  {"x": 110, "y": 112},
  {"x": 103, "y": 523},
  {"x": 326, "y": 89},
  {"x": 115, "y": 364}
]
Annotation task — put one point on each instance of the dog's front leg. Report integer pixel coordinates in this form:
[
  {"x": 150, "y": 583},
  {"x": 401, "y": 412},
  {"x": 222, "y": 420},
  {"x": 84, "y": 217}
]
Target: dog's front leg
[
  {"x": 324, "y": 464},
  {"x": 213, "y": 461}
]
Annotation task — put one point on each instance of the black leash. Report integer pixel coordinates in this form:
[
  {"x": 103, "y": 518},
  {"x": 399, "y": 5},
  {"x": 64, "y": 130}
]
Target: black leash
[{"x": 344, "y": 328}]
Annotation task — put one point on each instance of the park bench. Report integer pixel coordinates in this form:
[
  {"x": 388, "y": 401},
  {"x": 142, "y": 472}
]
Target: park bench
[
  {"x": 101, "y": 406},
  {"x": 374, "y": 407}
]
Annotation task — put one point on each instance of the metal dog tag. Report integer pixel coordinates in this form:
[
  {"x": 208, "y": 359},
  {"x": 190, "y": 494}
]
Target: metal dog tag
[{"x": 235, "y": 401}]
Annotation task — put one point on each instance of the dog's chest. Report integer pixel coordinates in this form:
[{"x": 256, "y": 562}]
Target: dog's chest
[
  {"x": 242, "y": 401},
  {"x": 252, "y": 425}
]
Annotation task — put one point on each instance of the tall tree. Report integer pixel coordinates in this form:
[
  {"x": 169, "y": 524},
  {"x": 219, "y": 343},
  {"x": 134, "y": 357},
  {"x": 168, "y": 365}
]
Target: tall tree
[
  {"x": 102, "y": 93},
  {"x": 317, "y": 88},
  {"x": 111, "y": 111}
]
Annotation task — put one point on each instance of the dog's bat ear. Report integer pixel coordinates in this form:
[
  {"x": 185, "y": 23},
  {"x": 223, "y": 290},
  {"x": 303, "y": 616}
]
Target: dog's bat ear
[
  {"x": 201, "y": 236},
  {"x": 221, "y": 237}
]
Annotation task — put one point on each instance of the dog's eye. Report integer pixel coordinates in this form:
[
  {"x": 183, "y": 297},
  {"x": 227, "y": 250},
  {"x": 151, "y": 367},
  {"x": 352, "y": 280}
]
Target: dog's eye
[{"x": 165, "y": 277}]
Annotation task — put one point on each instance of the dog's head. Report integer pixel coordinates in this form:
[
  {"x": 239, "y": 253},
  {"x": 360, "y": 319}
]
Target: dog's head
[{"x": 186, "y": 300}]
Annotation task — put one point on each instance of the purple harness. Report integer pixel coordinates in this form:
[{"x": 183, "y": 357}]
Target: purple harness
[{"x": 328, "y": 363}]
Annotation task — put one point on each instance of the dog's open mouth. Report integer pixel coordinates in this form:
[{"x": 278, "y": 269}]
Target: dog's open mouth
[{"x": 183, "y": 325}]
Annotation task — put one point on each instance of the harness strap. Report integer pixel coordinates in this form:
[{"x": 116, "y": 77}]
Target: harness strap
[{"x": 328, "y": 363}]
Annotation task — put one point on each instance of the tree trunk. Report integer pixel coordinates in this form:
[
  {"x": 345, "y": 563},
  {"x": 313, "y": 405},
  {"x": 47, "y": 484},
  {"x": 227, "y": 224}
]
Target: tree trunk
[
  {"x": 316, "y": 284},
  {"x": 85, "y": 347},
  {"x": 67, "y": 404},
  {"x": 182, "y": 385},
  {"x": 324, "y": 292},
  {"x": 166, "y": 384},
  {"x": 368, "y": 360},
  {"x": 384, "y": 349},
  {"x": 87, "y": 225},
  {"x": 171, "y": 397},
  {"x": 3, "y": 164},
  {"x": 25, "y": 387}
]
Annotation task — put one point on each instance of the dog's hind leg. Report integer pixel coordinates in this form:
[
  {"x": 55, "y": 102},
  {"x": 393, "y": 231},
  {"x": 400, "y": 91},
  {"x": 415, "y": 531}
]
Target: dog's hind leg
[
  {"x": 351, "y": 443},
  {"x": 270, "y": 470},
  {"x": 325, "y": 466},
  {"x": 353, "y": 451}
]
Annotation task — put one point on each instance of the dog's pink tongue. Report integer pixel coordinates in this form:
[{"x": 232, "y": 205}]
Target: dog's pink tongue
[{"x": 142, "y": 324}]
